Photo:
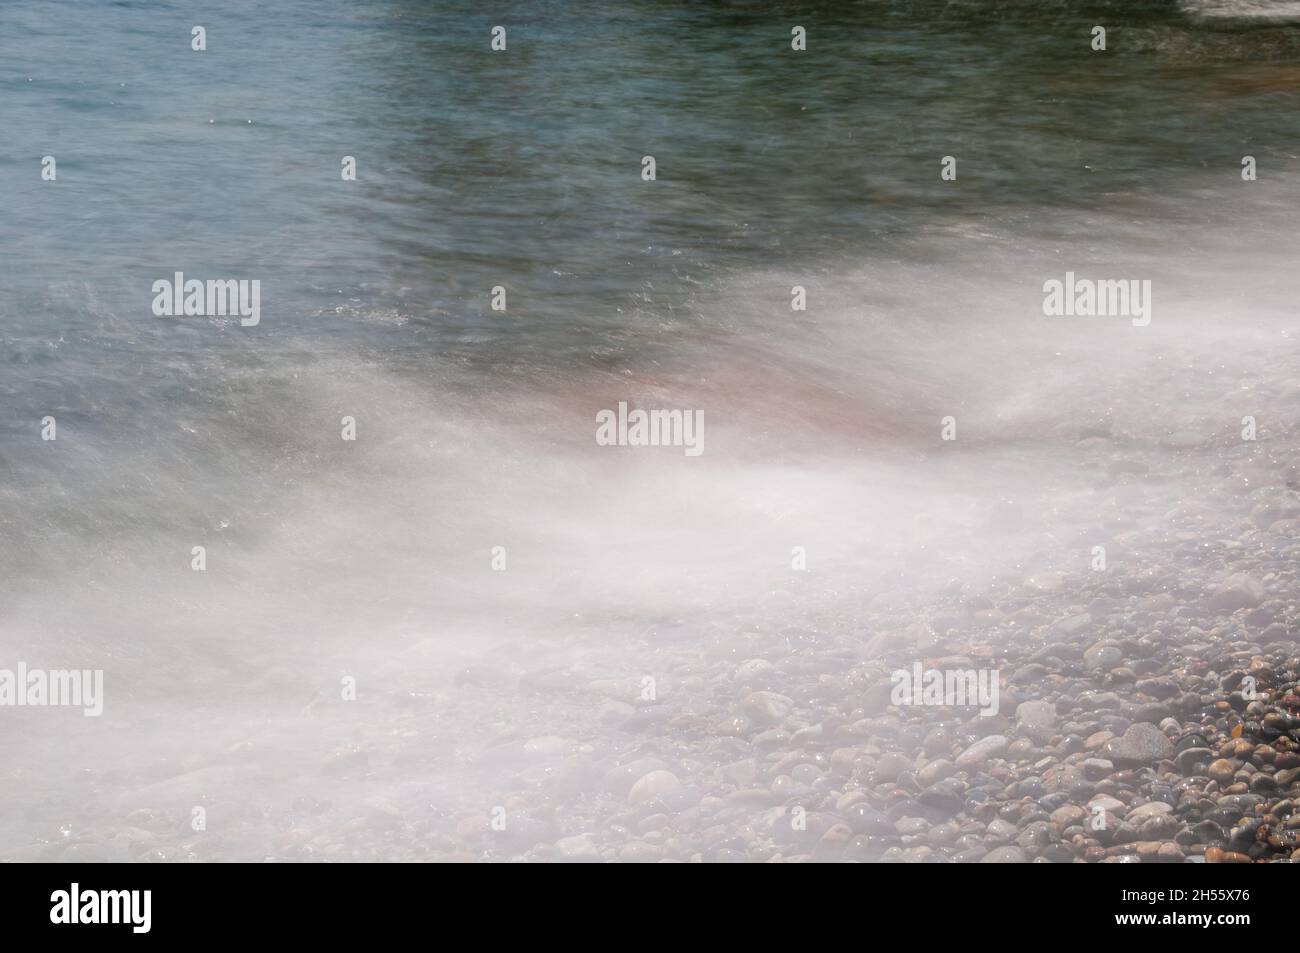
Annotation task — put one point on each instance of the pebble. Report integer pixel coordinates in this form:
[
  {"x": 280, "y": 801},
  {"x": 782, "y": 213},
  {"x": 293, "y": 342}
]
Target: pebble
[
  {"x": 1237, "y": 591},
  {"x": 1005, "y": 855},
  {"x": 1036, "y": 719},
  {"x": 767, "y": 708},
  {"x": 982, "y": 750},
  {"x": 1222, "y": 771},
  {"x": 1068, "y": 816},
  {"x": 1141, "y": 744},
  {"x": 1103, "y": 655},
  {"x": 938, "y": 770},
  {"x": 651, "y": 785},
  {"x": 578, "y": 847}
]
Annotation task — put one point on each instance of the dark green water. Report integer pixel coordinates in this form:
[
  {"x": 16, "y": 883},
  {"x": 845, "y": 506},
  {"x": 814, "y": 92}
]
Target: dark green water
[{"x": 522, "y": 168}]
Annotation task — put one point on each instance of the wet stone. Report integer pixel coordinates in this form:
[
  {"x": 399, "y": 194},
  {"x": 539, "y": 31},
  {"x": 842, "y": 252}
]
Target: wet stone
[{"x": 1141, "y": 744}]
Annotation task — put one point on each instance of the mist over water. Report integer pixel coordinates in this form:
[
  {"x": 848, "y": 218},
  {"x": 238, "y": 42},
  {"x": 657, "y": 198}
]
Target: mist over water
[{"x": 372, "y": 559}]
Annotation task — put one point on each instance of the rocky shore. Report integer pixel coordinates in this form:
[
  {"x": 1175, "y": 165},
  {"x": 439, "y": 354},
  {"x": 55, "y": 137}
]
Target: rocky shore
[
  {"x": 1148, "y": 712},
  {"x": 1144, "y": 717},
  {"x": 1140, "y": 747}
]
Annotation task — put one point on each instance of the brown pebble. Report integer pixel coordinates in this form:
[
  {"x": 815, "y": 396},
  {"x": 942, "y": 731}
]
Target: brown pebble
[
  {"x": 1222, "y": 771},
  {"x": 1217, "y": 855},
  {"x": 1147, "y": 850},
  {"x": 1170, "y": 853},
  {"x": 1097, "y": 739}
]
